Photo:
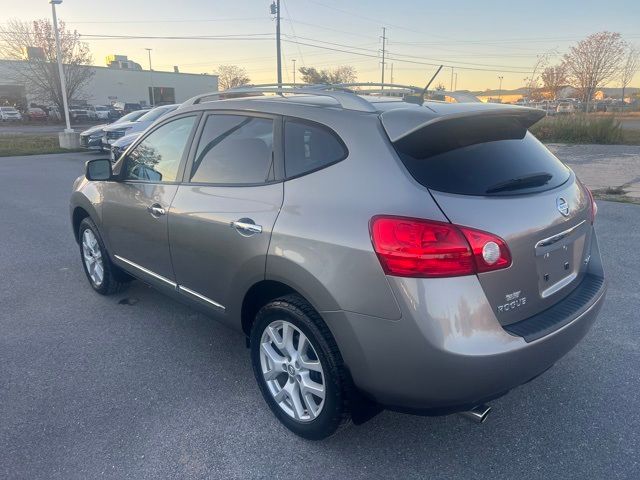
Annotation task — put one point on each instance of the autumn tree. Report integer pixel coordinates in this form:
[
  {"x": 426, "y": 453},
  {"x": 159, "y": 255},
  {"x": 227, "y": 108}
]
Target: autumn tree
[
  {"x": 342, "y": 74},
  {"x": 593, "y": 62},
  {"x": 532, "y": 82},
  {"x": 32, "y": 46},
  {"x": 231, "y": 76},
  {"x": 629, "y": 68},
  {"x": 553, "y": 78}
]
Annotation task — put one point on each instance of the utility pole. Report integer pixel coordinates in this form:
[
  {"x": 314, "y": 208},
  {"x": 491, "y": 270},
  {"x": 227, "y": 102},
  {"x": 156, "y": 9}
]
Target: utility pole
[
  {"x": 153, "y": 93},
  {"x": 63, "y": 83},
  {"x": 384, "y": 44},
  {"x": 294, "y": 71},
  {"x": 500, "y": 77},
  {"x": 391, "y": 80},
  {"x": 275, "y": 10},
  {"x": 451, "y": 87},
  {"x": 455, "y": 82}
]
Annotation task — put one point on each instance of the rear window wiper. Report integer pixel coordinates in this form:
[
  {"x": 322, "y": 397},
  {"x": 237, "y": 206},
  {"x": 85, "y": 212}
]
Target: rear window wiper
[{"x": 526, "y": 181}]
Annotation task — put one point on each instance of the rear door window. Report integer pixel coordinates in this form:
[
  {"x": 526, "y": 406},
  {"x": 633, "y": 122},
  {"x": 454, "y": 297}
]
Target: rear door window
[
  {"x": 234, "y": 150},
  {"x": 309, "y": 147}
]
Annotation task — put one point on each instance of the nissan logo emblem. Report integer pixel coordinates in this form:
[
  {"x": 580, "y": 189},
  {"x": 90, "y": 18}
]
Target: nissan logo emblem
[{"x": 563, "y": 206}]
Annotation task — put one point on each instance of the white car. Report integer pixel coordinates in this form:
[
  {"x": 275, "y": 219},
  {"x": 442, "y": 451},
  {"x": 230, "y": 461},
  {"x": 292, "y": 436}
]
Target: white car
[
  {"x": 565, "y": 107},
  {"x": 10, "y": 114},
  {"x": 102, "y": 112}
]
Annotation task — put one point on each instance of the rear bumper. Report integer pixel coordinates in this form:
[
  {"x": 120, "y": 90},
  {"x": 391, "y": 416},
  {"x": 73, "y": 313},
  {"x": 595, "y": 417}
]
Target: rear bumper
[{"x": 448, "y": 351}]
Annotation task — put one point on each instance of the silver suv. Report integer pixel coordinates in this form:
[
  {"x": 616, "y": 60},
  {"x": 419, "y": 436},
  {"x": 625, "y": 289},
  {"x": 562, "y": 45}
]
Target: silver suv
[{"x": 376, "y": 252}]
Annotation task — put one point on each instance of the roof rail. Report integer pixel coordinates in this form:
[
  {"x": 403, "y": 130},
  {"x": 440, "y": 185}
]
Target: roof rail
[
  {"x": 382, "y": 86},
  {"x": 344, "y": 96}
]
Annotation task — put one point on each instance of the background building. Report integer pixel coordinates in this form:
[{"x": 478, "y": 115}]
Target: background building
[{"x": 109, "y": 85}]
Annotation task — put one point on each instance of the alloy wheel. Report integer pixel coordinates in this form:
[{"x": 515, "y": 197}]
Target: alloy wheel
[
  {"x": 92, "y": 257},
  {"x": 292, "y": 371}
]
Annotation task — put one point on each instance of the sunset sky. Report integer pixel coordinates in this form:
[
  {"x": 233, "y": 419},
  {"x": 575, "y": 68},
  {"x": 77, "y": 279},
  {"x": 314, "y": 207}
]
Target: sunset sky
[{"x": 480, "y": 39}]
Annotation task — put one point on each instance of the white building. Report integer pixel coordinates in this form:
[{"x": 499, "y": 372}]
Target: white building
[{"x": 109, "y": 85}]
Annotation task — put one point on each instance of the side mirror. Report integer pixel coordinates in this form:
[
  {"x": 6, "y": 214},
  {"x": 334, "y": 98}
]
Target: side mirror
[{"x": 98, "y": 170}]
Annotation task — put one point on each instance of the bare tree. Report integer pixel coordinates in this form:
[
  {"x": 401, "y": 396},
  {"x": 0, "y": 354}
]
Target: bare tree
[
  {"x": 32, "y": 46},
  {"x": 532, "y": 82},
  {"x": 231, "y": 76},
  {"x": 594, "y": 61},
  {"x": 553, "y": 78},
  {"x": 629, "y": 68},
  {"x": 342, "y": 74}
]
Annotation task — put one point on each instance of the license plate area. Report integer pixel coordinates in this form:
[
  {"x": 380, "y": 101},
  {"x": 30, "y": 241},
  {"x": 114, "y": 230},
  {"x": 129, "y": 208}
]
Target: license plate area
[{"x": 558, "y": 259}]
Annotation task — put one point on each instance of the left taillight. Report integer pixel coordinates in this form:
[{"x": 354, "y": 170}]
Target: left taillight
[{"x": 411, "y": 247}]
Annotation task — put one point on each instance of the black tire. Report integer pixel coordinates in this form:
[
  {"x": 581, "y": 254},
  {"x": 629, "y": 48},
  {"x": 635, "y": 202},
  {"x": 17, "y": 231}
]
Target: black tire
[
  {"x": 114, "y": 279},
  {"x": 335, "y": 413}
]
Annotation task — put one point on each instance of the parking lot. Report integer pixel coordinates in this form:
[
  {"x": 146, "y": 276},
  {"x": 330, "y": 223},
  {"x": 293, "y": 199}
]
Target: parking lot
[{"x": 140, "y": 386}]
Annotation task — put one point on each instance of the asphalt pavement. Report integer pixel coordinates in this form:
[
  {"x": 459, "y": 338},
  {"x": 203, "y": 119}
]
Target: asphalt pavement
[{"x": 138, "y": 386}]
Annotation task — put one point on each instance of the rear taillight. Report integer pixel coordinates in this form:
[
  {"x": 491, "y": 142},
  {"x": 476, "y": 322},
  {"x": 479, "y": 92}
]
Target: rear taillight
[{"x": 411, "y": 247}]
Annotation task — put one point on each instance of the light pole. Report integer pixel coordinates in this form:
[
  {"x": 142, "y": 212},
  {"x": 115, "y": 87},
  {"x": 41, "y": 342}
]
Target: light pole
[
  {"x": 500, "y": 77},
  {"x": 153, "y": 93},
  {"x": 275, "y": 10},
  {"x": 63, "y": 83},
  {"x": 294, "y": 71}
]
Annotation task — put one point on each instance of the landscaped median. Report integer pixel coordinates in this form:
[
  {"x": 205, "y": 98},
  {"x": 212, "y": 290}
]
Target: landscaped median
[
  {"x": 30, "y": 144},
  {"x": 585, "y": 129}
]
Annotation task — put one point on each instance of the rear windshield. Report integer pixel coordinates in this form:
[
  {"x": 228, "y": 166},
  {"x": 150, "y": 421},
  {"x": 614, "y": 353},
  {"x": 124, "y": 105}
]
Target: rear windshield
[
  {"x": 156, "y": 113},
  {"x": 507, "y": 161}
]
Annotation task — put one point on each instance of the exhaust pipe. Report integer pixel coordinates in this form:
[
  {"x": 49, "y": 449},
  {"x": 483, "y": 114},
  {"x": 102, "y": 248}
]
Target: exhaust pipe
[{"x": 477, "y": 414}]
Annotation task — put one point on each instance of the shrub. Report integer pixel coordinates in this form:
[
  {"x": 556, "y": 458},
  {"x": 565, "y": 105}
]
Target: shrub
[{"x": 579, "y": 129}]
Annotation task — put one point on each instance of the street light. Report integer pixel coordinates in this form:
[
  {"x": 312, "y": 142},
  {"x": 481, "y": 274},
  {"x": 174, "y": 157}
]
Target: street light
[
  {"x": 63, "y": 83},
  {"x": 500, "y": 77},
  {"x": 153, "y": 93}
]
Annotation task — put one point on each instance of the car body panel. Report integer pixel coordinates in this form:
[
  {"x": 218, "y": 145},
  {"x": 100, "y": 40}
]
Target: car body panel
[
  {"x": 210, "y": 256},
  {"x": 132, "y": 232}
]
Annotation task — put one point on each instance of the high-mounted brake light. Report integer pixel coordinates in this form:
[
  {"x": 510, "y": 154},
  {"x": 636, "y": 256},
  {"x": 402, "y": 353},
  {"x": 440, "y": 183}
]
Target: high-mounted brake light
[{"x": 412, "y": 247}]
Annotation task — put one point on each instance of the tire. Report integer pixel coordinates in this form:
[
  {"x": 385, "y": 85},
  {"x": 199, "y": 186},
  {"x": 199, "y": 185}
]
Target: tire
[
  {"x": 331, "y": 412},
  {"x": 113, "y": 279}
]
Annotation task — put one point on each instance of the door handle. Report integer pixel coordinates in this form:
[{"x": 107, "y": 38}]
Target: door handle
[
  {"x": 156, "y": 210},
  {"x": 245, "y": 226}
]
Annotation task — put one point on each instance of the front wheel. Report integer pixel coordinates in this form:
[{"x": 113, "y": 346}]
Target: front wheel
[
  {"x": 299, "y": 368},
  {"x": 105, "y": 277}
]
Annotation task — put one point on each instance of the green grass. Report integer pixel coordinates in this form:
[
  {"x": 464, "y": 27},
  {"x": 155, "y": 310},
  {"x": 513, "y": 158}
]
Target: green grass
[
  {"x": 13, "y": 144},
  {"x": 584, "y": 129}
]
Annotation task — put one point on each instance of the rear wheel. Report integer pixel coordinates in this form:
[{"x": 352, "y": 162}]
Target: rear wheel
[
  {"x": 105, "y": 277},
  {"x": 299, "y": 368}
]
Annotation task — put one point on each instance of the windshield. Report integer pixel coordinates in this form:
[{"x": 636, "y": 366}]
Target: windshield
[
  {"x": 101, "y": 109},
  {"x": 157, "y": 113},
  {"x": 7, "y": 109},
  {"x": 131, "y": 117}
]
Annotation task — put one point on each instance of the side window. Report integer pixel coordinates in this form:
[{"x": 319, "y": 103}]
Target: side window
[
  {"x": 309, "y": 147},
  {"x": 157, "y": 157},
  {"x": 234, "y": 149}
]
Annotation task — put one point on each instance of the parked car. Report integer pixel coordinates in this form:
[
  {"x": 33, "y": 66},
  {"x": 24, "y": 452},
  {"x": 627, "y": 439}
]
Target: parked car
[
  {"x": 119, "y": 130},
  {"x": 36, "y": 114},
  {"x": 92, "y": 137},
  {"x": 78, "y": 114},
  {"x": 10, "y": 114},
  {"x": 126, "y": 107},
  {"x": 120, "y": 145},
  {"x": 102, "y": 112},
  {"x": 426, "y": 258},
  {"x": 565, "y": 108}
]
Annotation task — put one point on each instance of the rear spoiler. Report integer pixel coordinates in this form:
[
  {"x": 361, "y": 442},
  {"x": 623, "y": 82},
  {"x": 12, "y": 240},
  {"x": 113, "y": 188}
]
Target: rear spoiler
[{"x": 423, "y": 132}]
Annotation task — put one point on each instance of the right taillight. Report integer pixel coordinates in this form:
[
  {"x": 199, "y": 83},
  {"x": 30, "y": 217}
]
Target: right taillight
[{"x": 411, "y": 247}]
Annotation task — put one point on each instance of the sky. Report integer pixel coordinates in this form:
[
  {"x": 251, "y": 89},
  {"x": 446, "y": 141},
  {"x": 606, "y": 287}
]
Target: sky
[{"x": 478, "y": 41}]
